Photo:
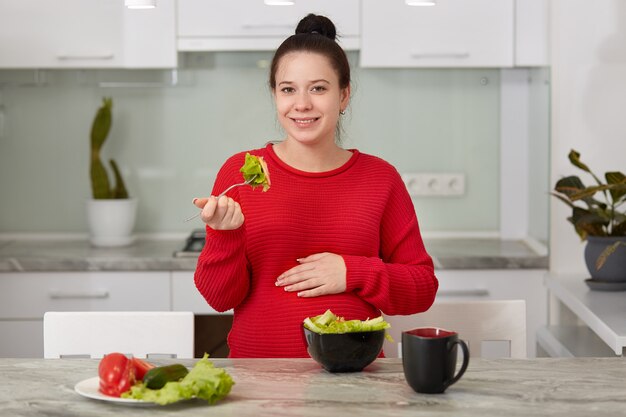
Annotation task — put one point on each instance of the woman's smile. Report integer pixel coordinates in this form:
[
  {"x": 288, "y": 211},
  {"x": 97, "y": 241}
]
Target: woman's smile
[{"x": 304, "y": 122}]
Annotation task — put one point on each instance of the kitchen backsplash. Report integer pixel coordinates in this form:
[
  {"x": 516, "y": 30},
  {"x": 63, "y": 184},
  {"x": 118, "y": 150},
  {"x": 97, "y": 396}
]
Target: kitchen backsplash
[{"x": 172, "y": 131}]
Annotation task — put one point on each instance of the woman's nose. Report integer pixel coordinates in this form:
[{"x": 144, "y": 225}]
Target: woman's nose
[{"x": 303, "y": 102}]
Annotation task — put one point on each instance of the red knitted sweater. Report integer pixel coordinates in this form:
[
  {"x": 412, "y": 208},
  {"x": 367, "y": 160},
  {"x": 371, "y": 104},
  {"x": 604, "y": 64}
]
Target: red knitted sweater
[{"x": 360, "y": 211}]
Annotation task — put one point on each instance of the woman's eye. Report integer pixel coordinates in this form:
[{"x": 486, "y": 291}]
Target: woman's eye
[
  {"x": 318, "y": 88},
  {"x": 287, "y": 90}
]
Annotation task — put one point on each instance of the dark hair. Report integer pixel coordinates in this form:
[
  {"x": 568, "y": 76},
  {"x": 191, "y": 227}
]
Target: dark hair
[{"x": 314, "y": 34}]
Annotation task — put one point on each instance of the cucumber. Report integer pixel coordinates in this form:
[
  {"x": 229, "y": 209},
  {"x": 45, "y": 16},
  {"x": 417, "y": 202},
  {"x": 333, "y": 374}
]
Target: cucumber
[{"x": 156, "y": 378}]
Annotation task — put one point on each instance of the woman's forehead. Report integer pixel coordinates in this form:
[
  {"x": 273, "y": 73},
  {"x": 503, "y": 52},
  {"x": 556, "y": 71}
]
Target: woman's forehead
[{"x": 303, "y": 64}]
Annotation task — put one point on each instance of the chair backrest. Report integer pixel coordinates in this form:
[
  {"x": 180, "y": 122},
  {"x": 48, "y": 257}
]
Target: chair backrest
[
  {"x": 137, "y": 333},
  {"x": 483, "y": 325}
]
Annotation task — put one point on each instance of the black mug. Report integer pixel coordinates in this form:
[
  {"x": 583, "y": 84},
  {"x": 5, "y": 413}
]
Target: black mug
[{"x": 429, "y": 359}]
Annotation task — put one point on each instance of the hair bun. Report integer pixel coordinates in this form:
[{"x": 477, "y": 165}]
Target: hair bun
[{"x": 312, "y": 23}]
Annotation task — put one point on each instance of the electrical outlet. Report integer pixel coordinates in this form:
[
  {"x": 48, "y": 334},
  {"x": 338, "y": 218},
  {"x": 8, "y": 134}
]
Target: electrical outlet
[{"x": 434, "y": 184}]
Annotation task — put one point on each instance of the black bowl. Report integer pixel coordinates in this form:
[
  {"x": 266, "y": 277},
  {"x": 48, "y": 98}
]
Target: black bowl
[{"x": 346, "y": 352}]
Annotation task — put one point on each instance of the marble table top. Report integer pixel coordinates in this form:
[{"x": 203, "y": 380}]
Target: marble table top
[
  {"x": 158, "y": 255},
  {"x": 300, "y": 388}
]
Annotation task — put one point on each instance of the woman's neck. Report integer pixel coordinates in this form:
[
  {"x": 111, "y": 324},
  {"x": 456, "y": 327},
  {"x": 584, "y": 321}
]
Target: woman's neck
[{"x": 312, "y": 158}]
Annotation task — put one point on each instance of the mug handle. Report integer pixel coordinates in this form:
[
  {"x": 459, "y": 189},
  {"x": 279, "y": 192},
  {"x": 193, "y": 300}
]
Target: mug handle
[{"x": 465, "y": 361}]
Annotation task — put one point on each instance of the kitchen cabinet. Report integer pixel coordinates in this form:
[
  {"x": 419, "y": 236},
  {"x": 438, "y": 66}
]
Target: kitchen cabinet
[
  {"x": 86, "y": 34},
  {"x": 25, "y": 297},
  {"x": 186, "y": 297},
  {"x": 211, "y": 327},
  {"x": 531, "y": 33},
  {"x": 245, "y": 25},
  {"x": 505, "y": 284},
  {"x": 469, "y": 33}
]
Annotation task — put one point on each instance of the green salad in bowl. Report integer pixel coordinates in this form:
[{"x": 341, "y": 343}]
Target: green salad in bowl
[{"x": 341, "y": 345}]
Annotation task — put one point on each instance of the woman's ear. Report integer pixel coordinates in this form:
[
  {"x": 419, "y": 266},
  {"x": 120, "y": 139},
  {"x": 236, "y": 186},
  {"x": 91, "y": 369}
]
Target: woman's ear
[{"x": 345, "y": 97}]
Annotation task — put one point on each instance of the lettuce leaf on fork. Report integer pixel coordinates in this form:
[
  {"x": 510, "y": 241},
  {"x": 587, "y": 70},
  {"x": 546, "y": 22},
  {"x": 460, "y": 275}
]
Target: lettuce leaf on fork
[{"x": 255, "y": 169}]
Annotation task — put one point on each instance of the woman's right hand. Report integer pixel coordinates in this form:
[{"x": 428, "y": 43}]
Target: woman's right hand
[{"x": 220, "y": 214}]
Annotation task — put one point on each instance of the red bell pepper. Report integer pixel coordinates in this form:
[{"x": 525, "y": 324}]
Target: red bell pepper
[
  {"x": 117, "y": 374},
  {"x": 141, "y": 367}
]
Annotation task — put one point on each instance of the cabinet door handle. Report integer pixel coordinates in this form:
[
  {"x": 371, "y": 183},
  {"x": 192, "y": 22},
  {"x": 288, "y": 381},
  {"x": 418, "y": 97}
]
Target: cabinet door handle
[
  {"x": 478, "y": 292},
  {"x": 248, "y": 26},
  {"x": 99, "y": 57},
  {"x": 58, "y": 294},
  {"x": 441, "y": 55}
]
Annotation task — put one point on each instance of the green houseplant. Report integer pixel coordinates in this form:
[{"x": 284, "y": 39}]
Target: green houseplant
[
  {"x": 100, "y": 184},
  {"x": 111, "y": 212},
  {"x": 599, "y": 217}
]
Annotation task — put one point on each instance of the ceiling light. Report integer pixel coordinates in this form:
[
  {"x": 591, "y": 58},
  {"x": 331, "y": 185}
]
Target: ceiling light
[
  {"x": 279, "y": 2},
  {"x": 140, "y": 4},
  {"x": 420, "y": 2}
]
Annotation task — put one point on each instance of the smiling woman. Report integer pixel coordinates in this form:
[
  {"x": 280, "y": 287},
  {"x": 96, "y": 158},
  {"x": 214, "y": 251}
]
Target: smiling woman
[{"x": 337, "y": 229}]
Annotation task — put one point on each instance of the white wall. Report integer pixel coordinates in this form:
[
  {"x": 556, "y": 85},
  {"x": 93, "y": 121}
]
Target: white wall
[{"x": 588, "y": 49}]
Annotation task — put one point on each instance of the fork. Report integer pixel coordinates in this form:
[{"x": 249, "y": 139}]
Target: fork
[{"x": 224, "y": 192}]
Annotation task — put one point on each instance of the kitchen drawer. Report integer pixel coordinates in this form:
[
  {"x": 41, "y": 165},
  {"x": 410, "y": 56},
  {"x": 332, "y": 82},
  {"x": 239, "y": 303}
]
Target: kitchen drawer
[
  {"x": 21, "y": 339},
  {"x": 30, "y": 295},
  {"x": 216, "y": 25},
  {"x": 186, "y": 297}
]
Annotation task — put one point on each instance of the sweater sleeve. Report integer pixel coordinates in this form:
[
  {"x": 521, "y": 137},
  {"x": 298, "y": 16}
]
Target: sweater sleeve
[
  {"x": 222, "y": 273},
  {"x": 402, "y": 280}
]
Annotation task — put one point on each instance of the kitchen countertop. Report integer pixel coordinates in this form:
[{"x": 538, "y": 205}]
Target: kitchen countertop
[
  {"x": 569, "y": 387},
  {"x": 47, "y": 255}
]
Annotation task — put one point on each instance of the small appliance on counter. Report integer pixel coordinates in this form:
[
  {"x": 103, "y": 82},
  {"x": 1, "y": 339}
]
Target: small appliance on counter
[{"x": 193, "y": 245}]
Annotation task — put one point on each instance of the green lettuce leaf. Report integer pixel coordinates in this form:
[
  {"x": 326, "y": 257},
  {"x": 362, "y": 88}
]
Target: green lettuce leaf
[
  {"x": 204, "y": 381},
  {"x": 255, "y": 169},
  {"x": 330, "y": 323}
]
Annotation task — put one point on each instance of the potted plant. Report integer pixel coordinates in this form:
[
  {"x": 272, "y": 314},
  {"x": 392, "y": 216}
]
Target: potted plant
[
  {"x": 599, "y": 217},
  {"x": 111, "y": 213}
]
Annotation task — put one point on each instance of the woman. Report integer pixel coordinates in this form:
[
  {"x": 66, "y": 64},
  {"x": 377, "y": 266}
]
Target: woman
[{"x": 336, "y": 230}]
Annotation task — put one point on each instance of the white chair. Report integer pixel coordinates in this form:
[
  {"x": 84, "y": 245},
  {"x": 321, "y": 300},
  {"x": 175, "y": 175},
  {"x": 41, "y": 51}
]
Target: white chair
[
  {"x": 137, "y": 333},
  {"x": 484, "y": 325}
]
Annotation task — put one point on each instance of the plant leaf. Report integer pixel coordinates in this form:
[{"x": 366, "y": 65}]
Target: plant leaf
[
  {"x": 618, "y": 179},
  {"x": 119, "y": 190},
  {"x": 100, "y": 187},
  {"x": 608, "y": 251},
  {"x": 574, "y": 158},
  {"x": 569, "y": 185},
  {"x": 588, "y": 192},
  {"x": 563, "y": 199},
  {"x": 101, "y": 124},
  {"x": 574, "y": 189},
  {"x": 589, "y": 222}
]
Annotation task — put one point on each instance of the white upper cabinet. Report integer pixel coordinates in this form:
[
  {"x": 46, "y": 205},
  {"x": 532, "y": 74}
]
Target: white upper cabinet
[
  {"x": 531, "y": 33},
  {"x": 86, "y": 34},
  {"x": 453, "y": 33},
  {"x": 218, "y": 25}
]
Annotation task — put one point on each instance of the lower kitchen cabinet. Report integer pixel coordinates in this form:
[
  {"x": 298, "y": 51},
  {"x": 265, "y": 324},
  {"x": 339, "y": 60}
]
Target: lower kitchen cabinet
[
  {"x": 25, "y": 297},
  {"x": 21, "y": 338},
  {"x": 211, "y": 327},
  {"x": 185, "y": 295}
]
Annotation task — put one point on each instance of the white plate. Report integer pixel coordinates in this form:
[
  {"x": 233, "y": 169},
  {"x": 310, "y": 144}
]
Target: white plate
[{"x": 90, "y": 388}]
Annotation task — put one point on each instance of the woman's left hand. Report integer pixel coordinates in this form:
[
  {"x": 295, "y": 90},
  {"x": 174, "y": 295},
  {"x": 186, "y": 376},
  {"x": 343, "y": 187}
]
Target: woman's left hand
[{"x": 317, "y": 274}]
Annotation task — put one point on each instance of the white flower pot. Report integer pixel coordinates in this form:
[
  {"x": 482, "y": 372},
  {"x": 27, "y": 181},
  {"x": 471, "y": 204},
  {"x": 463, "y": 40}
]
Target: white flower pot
[{"x": 111, "y": 221}]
